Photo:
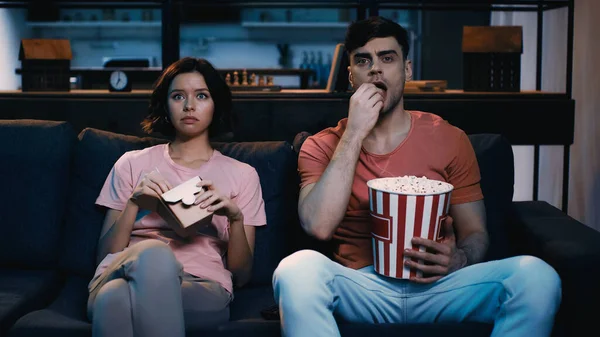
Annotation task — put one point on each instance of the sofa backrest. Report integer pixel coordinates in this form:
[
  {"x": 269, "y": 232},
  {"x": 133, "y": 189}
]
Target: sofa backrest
[
  {"x": 496, "y": 164},
  {"x": 36, "y": 157},
  {"x": 94, "y": 155},
  {"x": 97, "y": 151}
]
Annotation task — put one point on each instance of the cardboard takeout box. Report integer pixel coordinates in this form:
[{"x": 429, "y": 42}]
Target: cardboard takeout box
[{"x": 177, "y": 208}]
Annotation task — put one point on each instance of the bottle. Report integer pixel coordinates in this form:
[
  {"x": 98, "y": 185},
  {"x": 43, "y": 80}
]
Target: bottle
[
  {"x": 323, "y": 70},
  {"x": 304, "y": 64},
  {"x": 327, "y": 68},
  {"x": 312, "y": 64}
]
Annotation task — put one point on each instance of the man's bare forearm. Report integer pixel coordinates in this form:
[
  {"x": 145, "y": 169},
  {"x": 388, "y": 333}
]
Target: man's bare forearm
[
  {"x": 474, "y": 247},
  {"x": 324, "y": 207}
]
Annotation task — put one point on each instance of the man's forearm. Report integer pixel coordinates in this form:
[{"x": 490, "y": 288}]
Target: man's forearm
[
  {"x": 324, "y": 207},
  {"x": 474, "y": 247}
]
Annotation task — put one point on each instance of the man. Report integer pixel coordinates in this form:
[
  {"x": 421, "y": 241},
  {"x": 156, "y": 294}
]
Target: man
[{"x": 520, "y": 295}]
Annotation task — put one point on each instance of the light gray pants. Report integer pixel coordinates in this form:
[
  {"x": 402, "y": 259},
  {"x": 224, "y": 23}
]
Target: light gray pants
[{"x": 145, "y": 292}]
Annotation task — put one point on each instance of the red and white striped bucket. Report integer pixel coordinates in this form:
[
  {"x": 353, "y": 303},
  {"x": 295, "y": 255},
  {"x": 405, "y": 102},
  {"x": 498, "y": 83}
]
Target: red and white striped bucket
[{"x": 397, "y": 217}]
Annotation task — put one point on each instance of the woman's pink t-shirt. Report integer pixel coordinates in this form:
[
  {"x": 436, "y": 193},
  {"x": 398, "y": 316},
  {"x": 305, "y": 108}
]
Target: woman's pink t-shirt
[{"x": 202, "y": 256}]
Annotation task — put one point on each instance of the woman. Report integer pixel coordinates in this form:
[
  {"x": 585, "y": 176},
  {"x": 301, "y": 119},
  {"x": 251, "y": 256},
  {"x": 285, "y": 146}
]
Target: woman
[{"x": 150, "y": 281}]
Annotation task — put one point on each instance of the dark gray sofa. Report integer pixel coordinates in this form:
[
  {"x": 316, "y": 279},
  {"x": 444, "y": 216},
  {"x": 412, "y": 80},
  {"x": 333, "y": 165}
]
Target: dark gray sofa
[{"x": 50, "y": 229}]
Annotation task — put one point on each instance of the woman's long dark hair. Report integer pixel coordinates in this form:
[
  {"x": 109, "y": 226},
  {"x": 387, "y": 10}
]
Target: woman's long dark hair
[{"x": 157, "y": 119}]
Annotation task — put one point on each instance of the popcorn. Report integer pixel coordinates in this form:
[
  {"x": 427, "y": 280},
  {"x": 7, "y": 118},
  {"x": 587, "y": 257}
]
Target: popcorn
[
  {"x": 410, "y": 185},
  {"x": 402, "y": 208}
]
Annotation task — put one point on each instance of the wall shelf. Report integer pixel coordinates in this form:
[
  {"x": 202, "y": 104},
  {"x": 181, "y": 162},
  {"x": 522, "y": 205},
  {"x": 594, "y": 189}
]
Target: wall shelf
[
  {"x": 250, "y": 24},
  {"x": 96, "y": 24},
  {"x": 171, "y": 21}
]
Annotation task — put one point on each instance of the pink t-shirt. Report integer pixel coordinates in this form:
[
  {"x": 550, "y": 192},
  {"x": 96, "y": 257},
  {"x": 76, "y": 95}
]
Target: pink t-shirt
[{"x": 201, "y": 256}]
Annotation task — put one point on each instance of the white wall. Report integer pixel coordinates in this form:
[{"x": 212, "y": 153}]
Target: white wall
[
  {"x": 523, "y": 188},
  {"x": 584, "y": 174},
  {"x": 554, "y": 57},
  {"x": 584, "y": 203},
  {"x": 12, "y": 30},
  {"x": 554, "y": 79}
]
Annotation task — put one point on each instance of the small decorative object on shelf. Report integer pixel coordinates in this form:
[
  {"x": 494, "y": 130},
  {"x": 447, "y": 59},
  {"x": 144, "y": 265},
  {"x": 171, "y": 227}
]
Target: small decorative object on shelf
[
  {"x": 45, "y": 64},
  {"x": 119, "y": 82},
  {"x": 250, "y": 83},
  {"x": 147, "y": 15},
  {"x": 425, "y": 86},
  {"x": 244, "y": 77},
  {"x": 236, "y": 79},
  {"x": 109, "y": 14},
  {"x": 492, "y": 58}
]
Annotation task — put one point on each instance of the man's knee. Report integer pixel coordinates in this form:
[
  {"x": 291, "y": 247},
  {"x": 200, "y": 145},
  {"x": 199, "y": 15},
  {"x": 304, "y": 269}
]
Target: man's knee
[
  {"x": 539, "y": 280},
  {"x": 302, "y": 266},
  {"x": 538, "y": 272},
  {"x": 301, "y": 281}
]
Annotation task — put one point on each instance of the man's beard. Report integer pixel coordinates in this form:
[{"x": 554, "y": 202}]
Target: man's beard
[{"x": 394, "y": 101}]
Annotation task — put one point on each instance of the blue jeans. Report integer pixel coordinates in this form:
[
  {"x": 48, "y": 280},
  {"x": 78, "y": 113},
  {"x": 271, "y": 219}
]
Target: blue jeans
[{"x": 519, "y": 295}]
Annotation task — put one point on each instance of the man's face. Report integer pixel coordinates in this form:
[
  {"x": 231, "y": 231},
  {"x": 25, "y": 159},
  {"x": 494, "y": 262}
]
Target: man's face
[{"x": 380, "y": 62}]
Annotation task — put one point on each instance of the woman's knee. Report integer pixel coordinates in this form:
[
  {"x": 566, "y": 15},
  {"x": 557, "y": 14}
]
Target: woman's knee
[
  {"x": 114, "y": 296},
  {"x": 156, "y": 255}
]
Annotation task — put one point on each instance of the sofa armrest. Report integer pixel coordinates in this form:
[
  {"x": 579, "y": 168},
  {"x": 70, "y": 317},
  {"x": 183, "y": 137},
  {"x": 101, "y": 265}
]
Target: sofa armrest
[
  {"x": 571, "y": 248},
  {"x": 540, "y": 229}
]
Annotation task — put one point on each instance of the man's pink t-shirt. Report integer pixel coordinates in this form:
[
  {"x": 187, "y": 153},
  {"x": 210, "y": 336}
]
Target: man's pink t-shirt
[{"x": 201, "y": 256}]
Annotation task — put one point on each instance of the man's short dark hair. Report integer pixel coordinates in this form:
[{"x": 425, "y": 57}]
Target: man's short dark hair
[
  {"x": 361, "y": 32},
  {"x": 157, "y": 118}
]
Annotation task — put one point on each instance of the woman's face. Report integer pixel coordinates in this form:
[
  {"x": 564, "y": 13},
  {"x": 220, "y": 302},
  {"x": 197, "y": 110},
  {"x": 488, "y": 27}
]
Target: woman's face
[{"x": 190, "y": 105}]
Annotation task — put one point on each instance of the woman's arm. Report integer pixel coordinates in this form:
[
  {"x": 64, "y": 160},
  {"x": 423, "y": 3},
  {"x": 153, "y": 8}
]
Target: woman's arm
[
  {"x": 240, "y": 251},
  {"x": 117, "y": 226},
  {"x": 116, "y": 230}
]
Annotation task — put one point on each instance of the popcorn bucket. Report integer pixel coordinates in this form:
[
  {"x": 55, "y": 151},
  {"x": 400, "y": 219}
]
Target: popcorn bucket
[{"x": 403, "y": 208}]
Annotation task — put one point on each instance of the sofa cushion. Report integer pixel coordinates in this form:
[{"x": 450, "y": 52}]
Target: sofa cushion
[
  {"x": 97, "y": 151},
  {"x": 36, "y": 158},
  {"x": 95, "y": 154},
  {"x": 22, "y": 291},
  {"x": 248, "y": 303},
  {"x": 64, "y": 317},
  {"x": 260, "y": 328},
  {"x": 496, "y": 164},
  {"x": 470, "y": 329},
  {"x": 276, "y": 165}
]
